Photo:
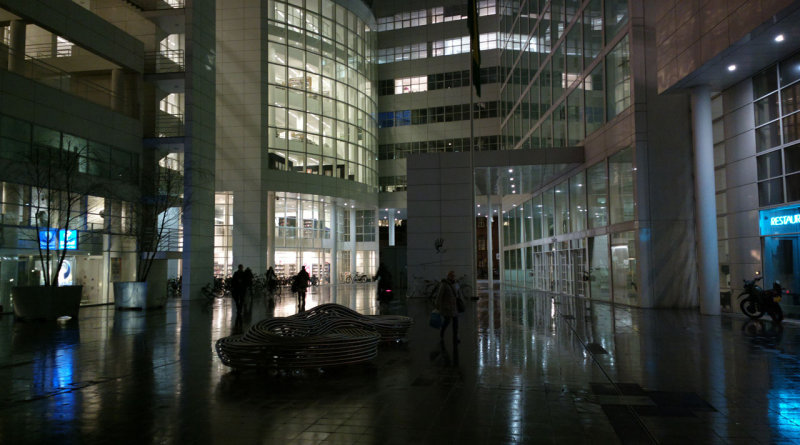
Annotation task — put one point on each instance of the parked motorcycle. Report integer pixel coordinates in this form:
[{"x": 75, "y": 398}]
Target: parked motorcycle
[{"x": 757, "y": 301}]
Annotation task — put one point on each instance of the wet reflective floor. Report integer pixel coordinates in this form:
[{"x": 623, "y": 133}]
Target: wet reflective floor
[{"x": 528, "y": 369}]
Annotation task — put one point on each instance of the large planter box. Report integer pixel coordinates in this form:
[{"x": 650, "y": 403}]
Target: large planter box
[
  {"x": 137, "y": 295},
  {"x": 46, "y": 302}
]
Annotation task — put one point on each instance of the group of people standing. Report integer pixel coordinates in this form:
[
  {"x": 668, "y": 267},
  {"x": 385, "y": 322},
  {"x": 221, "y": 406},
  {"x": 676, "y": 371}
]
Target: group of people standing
[{"x": 242, "y": 284}]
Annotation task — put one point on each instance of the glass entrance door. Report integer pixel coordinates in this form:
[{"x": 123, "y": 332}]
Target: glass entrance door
[{"x": 782, "y": 261}]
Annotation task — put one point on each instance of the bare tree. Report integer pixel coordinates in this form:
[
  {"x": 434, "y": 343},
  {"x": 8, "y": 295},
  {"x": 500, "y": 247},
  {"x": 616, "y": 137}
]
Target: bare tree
[
  {"x": 157, "y": 213},
  {"x": 58, "y": 189}
]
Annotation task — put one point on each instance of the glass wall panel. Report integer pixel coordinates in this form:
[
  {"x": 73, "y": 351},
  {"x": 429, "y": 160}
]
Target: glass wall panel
[
  {"x": 547, "y": 214},
  {"x": 574, "y": 56},
  {"x": 562, "y": 208},
  {"x": 592, "y": 31},
  {"x": 620, "y": 181},
  {"x": 577, "y": 202},
  {"x": 597, "y": 195},
  {"x": 595, "y": 100},
  {"x": 599, "y": 268},
  {"x": 527, "y": 222},
  {"x": 616, "y": 15},
  {"x": 575, "y": 118},
  {"x": 537, "y": 213},
  {"x": 618, "y": 79},
  {"x": 623, "y": 266}
]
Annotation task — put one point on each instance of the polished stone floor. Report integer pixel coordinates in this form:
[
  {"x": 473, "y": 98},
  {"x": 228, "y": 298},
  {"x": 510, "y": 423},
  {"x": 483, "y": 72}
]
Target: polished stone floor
[{"x": 529, "y": 369}]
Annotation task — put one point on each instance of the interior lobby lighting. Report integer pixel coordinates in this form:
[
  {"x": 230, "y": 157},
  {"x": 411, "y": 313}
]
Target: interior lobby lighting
[
  {"x": 731, "y": 67},
  {"x": 779, "y": 38}
]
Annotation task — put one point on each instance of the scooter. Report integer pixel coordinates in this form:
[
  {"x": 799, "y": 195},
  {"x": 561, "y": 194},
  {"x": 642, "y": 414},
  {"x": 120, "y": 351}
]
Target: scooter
[{"x": 757, "y": 301}]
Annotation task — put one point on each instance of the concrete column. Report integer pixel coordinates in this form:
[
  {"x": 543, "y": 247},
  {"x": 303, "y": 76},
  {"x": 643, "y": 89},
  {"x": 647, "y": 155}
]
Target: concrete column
[
  {"x": 392, "y": 219},
  {"x": 353, "y": 242},
  {"x": 117, "y": 90},
  {"x": 489, "y": 240},
  {"x": 270, "y": 223},
  {"x": 501, "y": 261},
  {"x": 334, "y": 242},
  {"x": 523, "y": 265},
  {"x": 706, "y": 208},
  {"x": 16, "y": 42}
]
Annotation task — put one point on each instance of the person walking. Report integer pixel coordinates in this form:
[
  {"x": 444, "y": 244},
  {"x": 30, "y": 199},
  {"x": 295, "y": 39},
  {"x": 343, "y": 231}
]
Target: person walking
[
  {"x": 272, "y": 280},
  {"x": 446, "y": 303},
  {"x": 238, "y": 288},
  {"x": 300, "y": 285},
  {"x": 248, "y": 289}
]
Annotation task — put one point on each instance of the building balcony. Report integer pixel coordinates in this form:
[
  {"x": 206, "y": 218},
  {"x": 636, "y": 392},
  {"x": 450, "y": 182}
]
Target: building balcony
[{"x": 36, "y": 69}]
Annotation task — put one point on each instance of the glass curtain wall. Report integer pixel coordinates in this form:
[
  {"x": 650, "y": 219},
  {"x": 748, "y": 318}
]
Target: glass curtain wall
[
  {"x": 304, "y": 237},
  {"x": 574, "y": 62},
  {"x": 322, "y": 102},
  {"x": 575, "y": 237}
]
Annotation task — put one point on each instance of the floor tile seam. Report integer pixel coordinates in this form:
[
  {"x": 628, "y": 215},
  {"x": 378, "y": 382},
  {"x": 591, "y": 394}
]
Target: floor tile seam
[{"x": 597, "y": 362}]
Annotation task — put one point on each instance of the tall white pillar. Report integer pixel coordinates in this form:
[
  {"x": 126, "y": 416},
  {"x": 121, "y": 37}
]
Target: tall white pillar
[
  {"x": 489, "y": 240},
  {"x": 706, "y": 208},
  {"x": 501, "y": 260},
  {"x": 334, "y": 243},
  {"x": 392, "y": 220},
  {"x": 353, "y": 242},
  {"x": 270, "y": 229}
]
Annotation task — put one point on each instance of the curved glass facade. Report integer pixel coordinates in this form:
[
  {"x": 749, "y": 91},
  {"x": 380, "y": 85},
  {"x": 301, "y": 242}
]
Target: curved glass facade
[{"x": 321, "y": 97}]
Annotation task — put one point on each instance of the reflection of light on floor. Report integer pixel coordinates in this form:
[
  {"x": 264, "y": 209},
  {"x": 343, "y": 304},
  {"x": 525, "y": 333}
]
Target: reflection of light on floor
[
  {"x": 360, "y": 297},
  {"x": 787, "y": 402},
  {"x": 53, "y": 373}
]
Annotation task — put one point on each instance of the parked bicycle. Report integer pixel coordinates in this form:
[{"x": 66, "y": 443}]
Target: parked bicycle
[
  {"x": 347, "y": 277},
  {"x": 424, "y": 288}
]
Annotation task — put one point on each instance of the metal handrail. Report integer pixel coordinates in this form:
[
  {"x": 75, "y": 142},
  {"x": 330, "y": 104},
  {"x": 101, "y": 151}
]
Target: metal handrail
[
  {"x": 47, "y": 50},
  {"x": 169, "y": 125},
  {"x": 155, "y": 5},
  {"x": 165, "y": 61}
]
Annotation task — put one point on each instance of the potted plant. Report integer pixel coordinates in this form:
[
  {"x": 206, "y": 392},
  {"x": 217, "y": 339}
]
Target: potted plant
[
  {"x": 57, "y": 191},
  {"x": 157, "y": 218}
]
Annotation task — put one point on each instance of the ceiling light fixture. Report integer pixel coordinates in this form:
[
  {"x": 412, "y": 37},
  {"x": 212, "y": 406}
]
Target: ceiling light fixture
[
  {"x": 731, "y": 67},
  {"x": 779, "y": 38}
]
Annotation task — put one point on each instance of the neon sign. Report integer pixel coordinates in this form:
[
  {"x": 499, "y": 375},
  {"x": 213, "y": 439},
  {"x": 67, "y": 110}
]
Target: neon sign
[
  {"x": 783, "y": 220},
  {"x": 780, "y": 221}
]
